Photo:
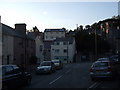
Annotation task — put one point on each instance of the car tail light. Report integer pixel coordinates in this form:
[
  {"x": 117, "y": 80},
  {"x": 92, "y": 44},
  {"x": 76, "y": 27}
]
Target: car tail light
[{"x": 91, "y": 70}]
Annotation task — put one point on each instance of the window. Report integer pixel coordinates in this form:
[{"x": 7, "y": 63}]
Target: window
[
  {"x": 41, "y": 48},
  {"x": 57, "y": 50},
  {"x": 16, "y": 69},
  {"x": 65, "y": 50},
  {"x": 64, "y": 43},
  {"x": 57, "y": 43},
  {"x": 7, "y": 59},
  {"x": 9, "y": 70},
  {"x": 51, "y": 37}
]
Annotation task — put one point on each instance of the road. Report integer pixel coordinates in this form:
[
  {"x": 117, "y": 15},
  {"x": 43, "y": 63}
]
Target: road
[{"x": 75, "y": 75}]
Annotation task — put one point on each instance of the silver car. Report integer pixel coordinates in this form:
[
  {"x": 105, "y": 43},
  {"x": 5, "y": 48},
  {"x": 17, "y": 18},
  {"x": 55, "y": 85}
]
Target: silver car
[
  {"x": 46, "y": 67},
  {"x": 103, "y": 59},
  {"x": 101, "y": 69}
]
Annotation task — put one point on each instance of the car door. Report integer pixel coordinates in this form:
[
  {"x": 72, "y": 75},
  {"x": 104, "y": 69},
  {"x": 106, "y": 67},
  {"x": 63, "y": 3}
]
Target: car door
[
  {"x": 8, "y": 77},
  {"x": 18, "y": 75}
]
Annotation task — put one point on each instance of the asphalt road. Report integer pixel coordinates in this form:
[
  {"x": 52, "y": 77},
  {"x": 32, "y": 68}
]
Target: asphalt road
[{"x": 75, "y": 75}]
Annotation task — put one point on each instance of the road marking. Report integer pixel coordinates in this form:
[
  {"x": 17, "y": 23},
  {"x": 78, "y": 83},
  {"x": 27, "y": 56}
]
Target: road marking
[
  {"x": 56, "y": 79},
  {"x": 94, "y": 85},
  {"x": 68, "y": 71}
]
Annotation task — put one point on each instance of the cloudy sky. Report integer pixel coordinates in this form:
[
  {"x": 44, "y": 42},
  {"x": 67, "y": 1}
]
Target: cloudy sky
[{"x": 56, "y": 14}]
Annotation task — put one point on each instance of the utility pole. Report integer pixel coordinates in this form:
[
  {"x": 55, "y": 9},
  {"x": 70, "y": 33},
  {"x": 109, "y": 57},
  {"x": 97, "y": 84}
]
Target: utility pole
[{"x": 67, "y": 51}]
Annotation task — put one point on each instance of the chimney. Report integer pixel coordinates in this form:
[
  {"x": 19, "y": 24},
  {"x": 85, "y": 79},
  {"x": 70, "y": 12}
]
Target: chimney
[{"x": 21, "y": 27}]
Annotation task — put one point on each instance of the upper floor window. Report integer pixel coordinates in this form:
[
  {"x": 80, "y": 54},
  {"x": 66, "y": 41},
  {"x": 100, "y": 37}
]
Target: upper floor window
[
  {"x": 65, "y": 50},
  {"x": 56, "y": 43},
  {"x": 57, "y": 50},
  {"x": 41, "y": 48},
  {"x": 64, "y": 43}
]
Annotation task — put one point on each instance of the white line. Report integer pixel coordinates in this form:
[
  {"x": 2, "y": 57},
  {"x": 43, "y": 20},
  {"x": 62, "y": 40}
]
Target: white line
[
  {"x": 67, "y": 71},
  {"x": 56, "y": 79},
  {"x": 94, "y": 85}
]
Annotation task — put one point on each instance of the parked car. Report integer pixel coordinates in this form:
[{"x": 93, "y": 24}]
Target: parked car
[
  {"x": 101, "y": 69},
  {"x": 58, "y": 64},
  {"x": 46, "y": 67},
  {"x": 103, "y": 59},
  {"x": 14, "y": 77},
  {"x": 114, "y": 58}
]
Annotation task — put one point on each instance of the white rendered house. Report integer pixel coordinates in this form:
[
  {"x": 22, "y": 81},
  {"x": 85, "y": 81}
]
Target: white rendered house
[
  {"x": 52, "y": 34},
  {"x": 63, "y": 49}
]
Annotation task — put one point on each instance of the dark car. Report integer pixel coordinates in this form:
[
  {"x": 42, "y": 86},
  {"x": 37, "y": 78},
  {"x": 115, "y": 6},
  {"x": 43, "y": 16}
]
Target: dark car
[
  {"x": 103, "y": 59},
  {"x": 46, "y": 67},
  {"x": 114, "y": 58},
  {"x": 14, "y": 77}
]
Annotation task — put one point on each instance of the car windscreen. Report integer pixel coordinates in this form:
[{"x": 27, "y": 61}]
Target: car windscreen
[
  {"x": 101, "y": 64},
  {"x": 102, "y": 59},
  {"x": 45, "y": 64},
  {"x": 56, "y": 61}
]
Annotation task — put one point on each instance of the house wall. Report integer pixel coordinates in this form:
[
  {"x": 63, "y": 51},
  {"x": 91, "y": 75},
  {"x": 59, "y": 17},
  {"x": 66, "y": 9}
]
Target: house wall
[
  {"x": 71, "y": 51},
  {"x": 0, "y": 42},
  {"x": 61, "y": 54},
  {"x": 53, "y": 35},
  {"x": 39, "y": 49},
  {"x": 19, "y": 50},
  {"x": 23, "y": 50},
  {"x": 7, "y": 46}
]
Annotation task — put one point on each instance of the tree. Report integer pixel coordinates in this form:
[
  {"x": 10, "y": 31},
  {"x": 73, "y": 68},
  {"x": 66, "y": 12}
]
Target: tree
[
  {"x": 87, "y": 27},
  {"x": 86, "y": 43}
]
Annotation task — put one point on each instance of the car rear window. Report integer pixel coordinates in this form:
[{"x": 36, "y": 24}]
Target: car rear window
[
  {"x": 56, "y": 61},
  {"x": 46, "y": 64},
  {"x": 101, "y": 64}
]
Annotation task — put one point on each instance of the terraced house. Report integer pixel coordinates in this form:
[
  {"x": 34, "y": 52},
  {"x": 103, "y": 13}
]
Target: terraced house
[
  {"x": 58, "y": 46},
  {"x": 63, "y": 49},
  {"x": 17, "y": 47}
]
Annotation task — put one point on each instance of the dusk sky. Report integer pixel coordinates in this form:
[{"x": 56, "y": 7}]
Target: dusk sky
[{"x": 56, "y": 14}]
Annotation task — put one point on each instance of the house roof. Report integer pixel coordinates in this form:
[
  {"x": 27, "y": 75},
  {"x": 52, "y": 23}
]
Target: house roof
[
  {"x": 69, "y": 39},
  {"x": 32, "y": 35},
  {"x": 11, "y": 31},
  {"x": 54, "y": 30}
]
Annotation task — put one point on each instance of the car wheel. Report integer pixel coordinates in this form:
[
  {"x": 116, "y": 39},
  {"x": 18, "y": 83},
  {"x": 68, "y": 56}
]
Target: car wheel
[
  {"x": 93, "y": 79},
  {"x": 28, "y": 82},
  {"x": 4, "y": 87}
]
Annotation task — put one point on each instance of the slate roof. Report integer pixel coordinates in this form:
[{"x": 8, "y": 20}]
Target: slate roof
[
  {"x": 54, "y": 30},
  {"x": 32, "y": 35},
  {"x": 69, "y": 39},
  {"x": 11, "y": 31}
]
